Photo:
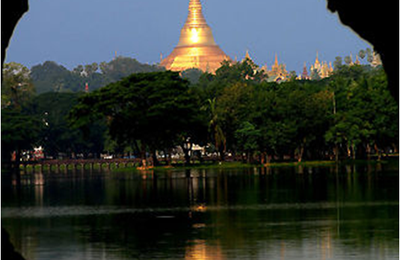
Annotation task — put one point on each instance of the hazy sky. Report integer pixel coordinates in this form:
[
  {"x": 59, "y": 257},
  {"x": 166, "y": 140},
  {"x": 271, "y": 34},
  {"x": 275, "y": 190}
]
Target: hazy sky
[{"x": 73, "y": 32}]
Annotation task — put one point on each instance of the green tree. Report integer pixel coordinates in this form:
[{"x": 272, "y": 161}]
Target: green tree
[
  {"x": 349, "y": 113},
  {"x": 370, "y": 56},
  {"x": 233, "y": 107},
  {"x": 78, "y": 70},
  {"x": 90, "y": 69},
  {"x": 151, "y": 109},
  {"x": 57, "y": 136},
  {"x": 16, "y": 87},
  {"x": 194, "y": 130},
  {"x": 381, "y": 111},
  {"x": 247, "y": 137},
  {"x": 362, "y": 54},
  {"x": 265, "y": 117},
  {"x": 347, "y": 60},
  {"x": 121, "y": 67},
  {"x": 292, "y": 75},
  {"x": 50, "y": 76},
  {"x": 193, "y": 75},
  {"x": 315, "y": 75},
  {"x": 364, "y": 109},
  {"x": 18, "y": 132},
  {"x": 337, "y": 63},
  {"x": 215, "y": 128},
  {"x": 243, "y": 71}
]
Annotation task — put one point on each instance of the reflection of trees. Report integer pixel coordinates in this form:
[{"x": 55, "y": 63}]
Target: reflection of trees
[{"x": 226, "y": 213}]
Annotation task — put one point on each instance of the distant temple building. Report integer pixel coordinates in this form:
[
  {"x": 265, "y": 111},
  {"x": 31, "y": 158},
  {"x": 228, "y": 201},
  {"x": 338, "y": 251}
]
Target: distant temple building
[
  {"x": 196, "y": 47},
  {"x": 246, "y": 56},
  {"x": 357, "y": 62},
  {"x": 376, "y": 61},
  {"x": 278, "y": 71},
  {"x": 304, "y": 75},
  {"x": 321, "y": 68}
]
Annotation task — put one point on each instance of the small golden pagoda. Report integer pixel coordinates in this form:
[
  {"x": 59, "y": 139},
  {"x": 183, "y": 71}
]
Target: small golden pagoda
[
  {"x": 196, "y": 47},
  {"x": 247, "y": 56},
  {"x": 376, "y": 60},
  {"x": 321, "y": 68},
  {"x": 278, "y": 71}
]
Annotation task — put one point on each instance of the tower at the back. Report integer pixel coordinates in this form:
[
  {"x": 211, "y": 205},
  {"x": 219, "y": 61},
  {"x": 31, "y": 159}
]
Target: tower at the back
[{"x": 196, "y": 47}]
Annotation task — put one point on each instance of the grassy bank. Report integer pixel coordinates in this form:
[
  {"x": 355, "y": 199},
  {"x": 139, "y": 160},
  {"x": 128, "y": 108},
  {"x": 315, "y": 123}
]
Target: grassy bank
[
  {"x": 239, "y": 165},
  {"x": 216, "y": 165},
  {"x": 222, "y": 165},
  {"x": 305, "y": 164}
]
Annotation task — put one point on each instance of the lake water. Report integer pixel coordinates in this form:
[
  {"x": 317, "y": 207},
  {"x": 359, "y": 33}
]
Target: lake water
[{"x": 336, "y": 212}]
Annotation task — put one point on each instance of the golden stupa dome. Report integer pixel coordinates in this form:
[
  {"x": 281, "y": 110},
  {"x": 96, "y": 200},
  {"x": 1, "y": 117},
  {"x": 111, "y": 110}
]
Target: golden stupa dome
[{"x": 196, "y": 47}]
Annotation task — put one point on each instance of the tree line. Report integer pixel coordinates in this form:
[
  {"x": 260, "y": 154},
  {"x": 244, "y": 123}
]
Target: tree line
[
  {"x": 235, "y": 112},
  {"x": 52, "y": 77}
]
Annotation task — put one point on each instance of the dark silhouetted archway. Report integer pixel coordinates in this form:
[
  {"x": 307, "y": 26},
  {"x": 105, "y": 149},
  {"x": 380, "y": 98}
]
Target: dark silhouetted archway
[{"x": 376, "y": 21}]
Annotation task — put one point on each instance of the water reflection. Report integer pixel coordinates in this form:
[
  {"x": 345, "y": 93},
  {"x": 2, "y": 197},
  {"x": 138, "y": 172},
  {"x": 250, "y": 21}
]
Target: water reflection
[
  {"x": 200, "y": 250},
  {"x": 332, "y": 212}
]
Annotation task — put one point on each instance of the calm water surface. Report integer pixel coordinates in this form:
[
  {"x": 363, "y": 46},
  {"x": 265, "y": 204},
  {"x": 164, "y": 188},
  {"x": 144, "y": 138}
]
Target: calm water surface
[{"x": 346, "y": 212}]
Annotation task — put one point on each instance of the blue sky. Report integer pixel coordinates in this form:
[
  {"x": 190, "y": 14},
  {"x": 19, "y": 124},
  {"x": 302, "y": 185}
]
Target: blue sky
[{"x": 73, "y": 32}]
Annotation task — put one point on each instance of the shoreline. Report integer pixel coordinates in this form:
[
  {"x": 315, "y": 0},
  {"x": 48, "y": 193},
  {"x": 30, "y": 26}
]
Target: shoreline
[
  {"x": 240, "y": 165},
  {"x": 221, "y": 165}
]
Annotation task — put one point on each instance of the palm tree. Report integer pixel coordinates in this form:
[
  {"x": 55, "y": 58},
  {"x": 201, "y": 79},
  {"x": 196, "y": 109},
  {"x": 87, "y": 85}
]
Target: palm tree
[
  {"x": 362, "y": 54},
  {"x": 215, "y": 128}
]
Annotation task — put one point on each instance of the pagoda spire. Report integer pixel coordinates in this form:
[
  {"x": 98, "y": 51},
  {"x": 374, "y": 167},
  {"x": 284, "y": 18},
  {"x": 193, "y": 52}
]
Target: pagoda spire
[
  {"x": 357, "y": 60},
  {"x": 196, "y": 47},
  {"x": 304, "y": 75},
  {"x": 196, "y": 30},
  {"x": 195, "y": 16},
  {"x": 276, "y": 60},
  {"x": 247, "y": 56},
  {"x": 317, "y": 59}
]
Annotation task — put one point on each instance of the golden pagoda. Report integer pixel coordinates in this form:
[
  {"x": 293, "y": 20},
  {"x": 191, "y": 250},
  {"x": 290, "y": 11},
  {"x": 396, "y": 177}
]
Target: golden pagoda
[
  {"x": 247, "y": 56},
  {"x": 357, "y": 62},
  {"x": 278, "y": 71},
  {"x": 304, "y": 75},
  {"x": 321, "y": 68},
  {"x": 317, "y": 65},
  {"x": 376, "y": 60},
  {"x": 196, "y": 47}
]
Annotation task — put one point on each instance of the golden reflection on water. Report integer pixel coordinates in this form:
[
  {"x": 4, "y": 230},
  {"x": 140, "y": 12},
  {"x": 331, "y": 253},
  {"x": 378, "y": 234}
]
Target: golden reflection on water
[
  {"x": 39, "y": 184},
  {"x": 199, "y": 208},
  {"x": 325, "y": 245},
  {"x": 283, "y": 250},
  {"x": 200, "y": 250}
]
